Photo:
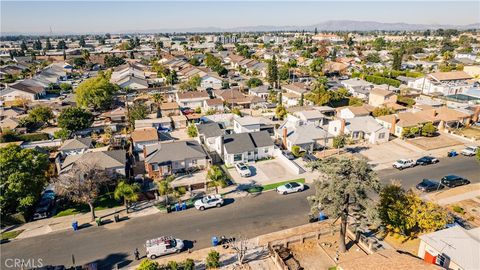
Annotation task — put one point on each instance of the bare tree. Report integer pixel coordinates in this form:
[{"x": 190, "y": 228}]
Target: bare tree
[
  {"x": 82, "y": 183},
  {"x": 241, "y": 245}
]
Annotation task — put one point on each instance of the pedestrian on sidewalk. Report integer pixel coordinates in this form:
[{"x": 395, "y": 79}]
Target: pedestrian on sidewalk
[{"x": 137, "y": 254}]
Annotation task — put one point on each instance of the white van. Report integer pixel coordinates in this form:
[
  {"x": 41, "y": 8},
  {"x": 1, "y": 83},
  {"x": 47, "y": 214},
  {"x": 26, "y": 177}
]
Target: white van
[{"x": 162, "y": 246}]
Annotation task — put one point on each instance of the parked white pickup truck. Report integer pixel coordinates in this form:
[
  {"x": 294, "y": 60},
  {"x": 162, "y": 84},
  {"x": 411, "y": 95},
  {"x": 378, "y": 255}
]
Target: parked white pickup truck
[
  {"x": 404, "y": 163},
  {"x": 469, "y": 151}
]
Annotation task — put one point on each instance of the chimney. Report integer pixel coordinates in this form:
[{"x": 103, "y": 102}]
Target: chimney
[
  {"x": 393, "y": 124},
  {"x": 284, "y": 137},
  {"x": 343, "y": 123},
  {"x": 221, "y": 143}
]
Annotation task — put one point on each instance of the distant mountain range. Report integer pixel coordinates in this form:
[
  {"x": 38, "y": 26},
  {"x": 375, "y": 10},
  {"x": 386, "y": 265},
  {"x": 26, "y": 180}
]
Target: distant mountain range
[
  {"x": 335, "y": 25},
  {"x": 338, "y": 25}
]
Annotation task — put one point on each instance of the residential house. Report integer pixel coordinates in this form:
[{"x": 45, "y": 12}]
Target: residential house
[
  {"x": 245, "y": 147},
  {"x": 215, "y": 104},
  {"x": 307, "y": 136},
  {"x": 193, "y": 99},
  {"x": 380, "y": 97},
  {"x": 163, "y": 159},
  {"x": 311, "y": 117},
  {"x": 113, "y": 162},
  {"x": 29, "y": 90},
  {"x": 445, "y": 83},
  {"x": 161, "y": 124},
  {"x": 359, "y": 129},
  {"x": 290, "y": 99},
  {"x": 118, "y": 115},
  {"x": 452, "y": 248},
  {"x": 234, "y": 97},
  {"x": 132, "y": 82},
  {"x": 10, "y": 123},
  {"x": 169, "y": 109},
  {"x": 354, "y": 111},
  {"x": 142, "y": 137},
  {"x": 252, "y": 124},
  {"x": 211, "y": 81},
  {"x": 179, "y": 121},
  {"x": 295, "y": 88},
  {"x": 75, "y": 146},
  {"x": 208, "y": 133},
  {"x": 358, "y": 87},
  {"x": 261, "y": 91}
]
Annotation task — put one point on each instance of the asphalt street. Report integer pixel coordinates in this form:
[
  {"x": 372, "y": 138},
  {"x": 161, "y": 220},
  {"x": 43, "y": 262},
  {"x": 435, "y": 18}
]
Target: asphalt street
[{"x": 249, "y": 217}]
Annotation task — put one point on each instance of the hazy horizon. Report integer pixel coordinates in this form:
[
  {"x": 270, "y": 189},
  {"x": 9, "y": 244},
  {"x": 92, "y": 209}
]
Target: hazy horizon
[{"x": 37, "y": 17}]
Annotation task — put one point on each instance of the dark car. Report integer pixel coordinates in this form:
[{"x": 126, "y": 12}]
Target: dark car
[
  {"x": 426, "y": 160},
  {"x": 309, "y": 157},
  {"x": 288, "y": 154},
  {"x": 454, "y": 181},
  {"x": 428, "y": 185}
]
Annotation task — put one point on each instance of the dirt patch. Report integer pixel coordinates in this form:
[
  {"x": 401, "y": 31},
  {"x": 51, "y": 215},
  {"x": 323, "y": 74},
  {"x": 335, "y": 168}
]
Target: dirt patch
[
  {"x": 401, "y": 243},
  {"x": 468, "y": 210},
  {"x": 470, "y": 132},
  {"x": 431, "y": 143}
]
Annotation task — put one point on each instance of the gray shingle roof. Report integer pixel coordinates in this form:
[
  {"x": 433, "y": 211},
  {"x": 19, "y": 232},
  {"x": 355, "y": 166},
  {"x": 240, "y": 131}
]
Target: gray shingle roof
[
  {"x": 77, "y": 143},
  {"x": 104, "y": 159},
  {"x": 242, "y": 142},
  {"x": 173, "y": 151},
  {"x": 210, "y": 130}
]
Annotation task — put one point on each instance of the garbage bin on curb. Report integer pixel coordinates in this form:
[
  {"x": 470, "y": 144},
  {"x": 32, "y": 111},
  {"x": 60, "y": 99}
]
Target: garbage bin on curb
[
  {"x": 116, "y": 218},
  {"x": 184, "y": 206},
  {"x": 177, "y": 207},
  {"x": 99, "y": 221},
  {"x": 214, "y": 241},
  {"x": 75, "y": 225}
]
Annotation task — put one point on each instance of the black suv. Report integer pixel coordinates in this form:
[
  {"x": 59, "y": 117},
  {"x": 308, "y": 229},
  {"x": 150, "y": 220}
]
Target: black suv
[
  {"x": 426, "y": 160},
  {"x": 454, "y": 181},
  {"x": 428, "y": 185}
]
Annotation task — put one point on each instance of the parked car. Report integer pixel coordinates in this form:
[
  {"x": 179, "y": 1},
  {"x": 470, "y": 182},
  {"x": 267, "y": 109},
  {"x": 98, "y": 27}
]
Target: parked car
[
  {"x": 309, "y": 157},
  {"x": 243, "y": 169},
  {"x": 404, "y": 163},
  {"x": 290, "y": 188},
  {"x": 426, "y": 160},
  {"x": 469, "y": 151},
  {"x": 209, "y": 202},
  {"x": 288, "y": 155},
  {"x": 452, "y": 181},
  {"x": 46, "y": 205},
  {"x": 428, "y": 185},
  {"x": 162, "y": 246}
]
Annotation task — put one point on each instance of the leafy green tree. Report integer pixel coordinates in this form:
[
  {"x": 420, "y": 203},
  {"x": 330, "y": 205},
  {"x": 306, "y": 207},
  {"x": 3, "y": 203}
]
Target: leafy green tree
[
  {"x": 113, "y": 61},
  {"x": 383, "y": 110},
  {"x": 280, "y": 112},
  {"x": 339, "y": 141},
  {"x": 428, "y": 130},
  {"x": 82, "y": 183},
  {"x": 341, "y": 189},
  {"x": 74, "y": 118},
  {"x": 194, "y": 61},
  {"x": 236, "y": 111},
  {"x": 397, "y": 59},
  {"x": 147, "y": 264},
  {"x": 79, "y": 62},
  {"x": 86, "y": 55},
  {"x": 61, "y": 45},
  {"x": 96, "y": 92},
  {"x": 188, "y": 264},
  {"x": 192, "y": 84},
  {"x": 373, "y": 58},
  {"x": 22, "y": 178},
  {"x": 165, "y": 187},
  {"x": 192, "y": 131},
  {"x": 316, "y": 67},
  {"x": 213, "y": 260},
  {"x": 127, "y": 192},
  {"x": 272, "y": 72},
  {"x": 284, "y": 73},
  {"x": 23, "y": 46},
  {"x": 216, "y": 177},
  {"x": 137, "y": 112},
  {"x": 379, "y": 43},
  {"x": 37, "y": 45},
  {"x": 48, "y": 45},
  {"x": 81, "y": 42},
  {"x": 253, "y": 82},
  {"x": 171, "y": 78},
  {"x": 41, "y": 114},
  {"x": 61, "y": 134},
  {"x": 405, "y": 213}
]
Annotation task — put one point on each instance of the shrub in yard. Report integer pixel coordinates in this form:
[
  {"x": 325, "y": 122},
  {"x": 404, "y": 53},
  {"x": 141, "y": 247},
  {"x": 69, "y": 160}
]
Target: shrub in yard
[
  {"x": 458, "y": 209},
  {"x": 213, "y": 260},
  {"x": 172, "y": 265},
  {"x": 296, "y": 150},
  {"x": 188, "y": 264},
  {"x": 147, "y": 264}
]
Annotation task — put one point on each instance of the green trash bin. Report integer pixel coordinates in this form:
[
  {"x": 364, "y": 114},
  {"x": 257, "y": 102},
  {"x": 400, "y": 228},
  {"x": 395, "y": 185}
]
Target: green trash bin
[{"x": 99, "y": 221}]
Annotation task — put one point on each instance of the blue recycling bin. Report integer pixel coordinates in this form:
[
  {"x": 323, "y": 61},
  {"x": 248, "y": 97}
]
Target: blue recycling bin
[
  {"x": 177, "y": 207},
  {"x": 184, "y": 206},
  {"x": 322, "y": 216},
  {"x": 75, "y": 225},
  {"x": 214, "y": 241}
]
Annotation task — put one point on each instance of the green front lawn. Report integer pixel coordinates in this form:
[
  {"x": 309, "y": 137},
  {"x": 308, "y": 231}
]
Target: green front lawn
[
  {"x": 10, "y": 234},
  {"x": 267, "y": 187},
  {"x": 105, "y": 201}
]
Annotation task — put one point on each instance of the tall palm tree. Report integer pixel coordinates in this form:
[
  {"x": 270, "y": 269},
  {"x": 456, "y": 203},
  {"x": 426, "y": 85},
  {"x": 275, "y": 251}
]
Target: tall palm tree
[
  {"x": 165, "y": 187},
  {"x": 129, "y": 193},
  {"x": 86, "y": 55},
  {"x": 216, "y": 177}
]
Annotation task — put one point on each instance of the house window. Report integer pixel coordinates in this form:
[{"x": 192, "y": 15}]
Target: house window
[
  {"x": 381, "y": 136},
  {"x": 355, "y": 134},
  {"x": 441, "y": 260},
  {"x": 335, "y": 129},
  {"x": 154, "y": 167},
  {"x": 237, "y": 157}
]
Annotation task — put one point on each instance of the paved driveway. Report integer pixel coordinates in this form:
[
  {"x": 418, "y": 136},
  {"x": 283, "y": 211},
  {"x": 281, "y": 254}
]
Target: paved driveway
[{"x": 264, "y": 172}]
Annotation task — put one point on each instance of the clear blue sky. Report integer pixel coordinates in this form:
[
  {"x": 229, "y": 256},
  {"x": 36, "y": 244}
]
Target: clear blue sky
[{"x": 112, "y": 16}]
